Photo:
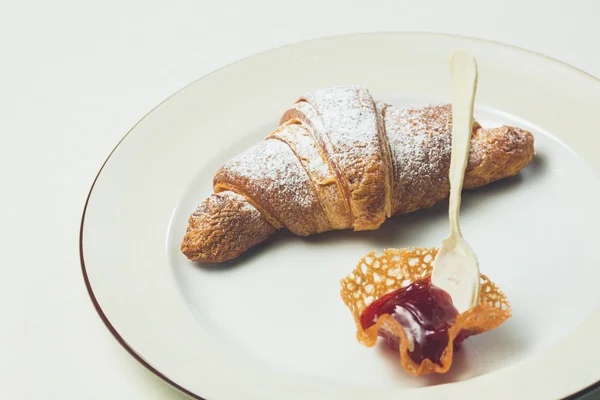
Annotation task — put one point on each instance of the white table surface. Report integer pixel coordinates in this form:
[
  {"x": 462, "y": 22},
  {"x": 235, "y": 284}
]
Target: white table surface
[{"x": 75, "y": 76}]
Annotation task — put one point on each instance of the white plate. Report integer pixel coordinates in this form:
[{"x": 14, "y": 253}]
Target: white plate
[{"x": 272, "y": 325}]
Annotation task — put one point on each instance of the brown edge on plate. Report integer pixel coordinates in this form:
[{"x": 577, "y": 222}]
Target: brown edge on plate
[
  {"x": 574, "y": 396},
  {"x": 103, "y": 316}
]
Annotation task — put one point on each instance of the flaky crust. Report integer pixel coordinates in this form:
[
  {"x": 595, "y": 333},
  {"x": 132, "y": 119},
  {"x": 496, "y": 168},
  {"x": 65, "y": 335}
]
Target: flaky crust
[
  {"x": 270, "y": 175},
  {"x": 498, "y": 153},
  {"x": 307, "y": 151},
  {"x": 349, "y": 131},
  {"x": 209, "y": 236},
  {"x": 346, "y": 124},
  {"x": 312, "y": 176},
  {"x": 420, "y": 141}
]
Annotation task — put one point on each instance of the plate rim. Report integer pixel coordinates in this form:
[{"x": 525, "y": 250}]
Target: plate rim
[{"x": 117, "y": 336}]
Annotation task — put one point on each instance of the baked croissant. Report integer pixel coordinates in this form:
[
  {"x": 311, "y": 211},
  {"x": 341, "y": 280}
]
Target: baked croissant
[{"x": 342, "y": 160}]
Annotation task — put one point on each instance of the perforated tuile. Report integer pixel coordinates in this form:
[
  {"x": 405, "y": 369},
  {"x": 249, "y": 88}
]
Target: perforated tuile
[{"x": 400, "y": 268}]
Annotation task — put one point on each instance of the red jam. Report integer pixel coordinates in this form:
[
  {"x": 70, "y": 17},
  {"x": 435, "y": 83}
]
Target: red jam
[{"x": 425, "y": 312}]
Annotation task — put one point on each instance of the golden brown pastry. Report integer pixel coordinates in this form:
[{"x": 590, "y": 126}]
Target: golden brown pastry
[{"x": 342, "y": 160}]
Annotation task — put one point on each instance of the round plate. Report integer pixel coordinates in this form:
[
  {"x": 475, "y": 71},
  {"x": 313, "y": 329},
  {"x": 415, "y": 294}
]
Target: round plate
[{"x": 271, "y": 324}]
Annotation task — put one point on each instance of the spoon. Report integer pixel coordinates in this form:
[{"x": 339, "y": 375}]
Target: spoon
[{"x": 455, "y": 268}]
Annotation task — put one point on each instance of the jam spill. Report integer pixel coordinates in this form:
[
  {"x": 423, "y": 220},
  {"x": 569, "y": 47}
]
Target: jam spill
[{"x": 425, "y": 312}]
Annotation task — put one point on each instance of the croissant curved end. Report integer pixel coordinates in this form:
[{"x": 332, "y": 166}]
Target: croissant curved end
[
  {"x": 223, "y": 227},
  {"x": 498, "y": 153}
]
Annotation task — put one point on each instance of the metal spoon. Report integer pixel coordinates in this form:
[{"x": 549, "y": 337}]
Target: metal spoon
[{"x": 455, "y": 268}]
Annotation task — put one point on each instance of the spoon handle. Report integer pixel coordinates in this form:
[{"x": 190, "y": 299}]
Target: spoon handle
[{"x": 463, "y": 69}]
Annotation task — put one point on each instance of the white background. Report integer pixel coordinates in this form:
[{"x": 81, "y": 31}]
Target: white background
[{"x": 76, "y": 75}]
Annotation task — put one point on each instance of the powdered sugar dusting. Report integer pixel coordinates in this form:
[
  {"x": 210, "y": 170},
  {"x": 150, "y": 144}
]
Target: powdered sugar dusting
[
  {"x": 300, "y": 140},
  {"x": 272, "y": 167},
  {"x": 348, "y": 128},
  {"x": 348, "y": 116},
  {"x": 420, "y": 141}
]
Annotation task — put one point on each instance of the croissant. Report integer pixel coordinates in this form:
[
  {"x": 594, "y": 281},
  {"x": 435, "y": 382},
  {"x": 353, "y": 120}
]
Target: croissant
[{"x": 342, "y": 160}]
